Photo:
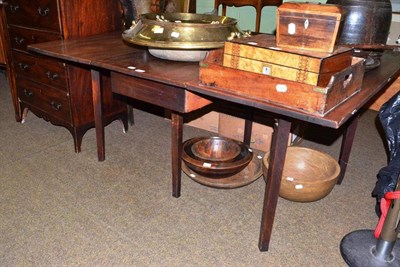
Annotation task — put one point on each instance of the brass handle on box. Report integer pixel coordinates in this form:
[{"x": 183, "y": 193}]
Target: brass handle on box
[
  {"x": 14, "y": 8},
  {"x": 55, "y": 105},
  {"x": 347, "y": 80},
  {"x": 43, "y": 11},
  {"x": 19, "y": 40},
  {"x": 28, "y": 93},
  {"x": 51, "y": 76},
  {"x": 23, "y": 66}
]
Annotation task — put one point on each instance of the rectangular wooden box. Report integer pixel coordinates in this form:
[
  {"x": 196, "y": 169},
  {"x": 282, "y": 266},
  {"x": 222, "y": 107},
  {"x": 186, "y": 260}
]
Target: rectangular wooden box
[
  {"x": 290, "y": 94},
  {"x": 308, "y": 26},
  {"x": 259, "y": 54}
]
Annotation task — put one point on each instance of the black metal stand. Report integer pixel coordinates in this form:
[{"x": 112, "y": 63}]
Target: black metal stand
[{"x": 361, "y": 248}]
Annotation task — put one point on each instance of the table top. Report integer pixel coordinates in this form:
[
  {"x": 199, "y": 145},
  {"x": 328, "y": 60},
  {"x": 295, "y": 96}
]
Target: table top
[{"x": 109, "y": 51}]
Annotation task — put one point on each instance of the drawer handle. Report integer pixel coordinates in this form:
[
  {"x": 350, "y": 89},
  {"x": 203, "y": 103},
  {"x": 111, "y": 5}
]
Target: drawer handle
[
  {"x": 19, "y": 40},
  {"x": 51, "y": 76},
  {"x": 55, "y": 105},
  {"x": 23, "y": 66},
  {"x": 14, "y": 8},
  {"x": 43, "y": 12},
  {"x": 28, "y": 93}
]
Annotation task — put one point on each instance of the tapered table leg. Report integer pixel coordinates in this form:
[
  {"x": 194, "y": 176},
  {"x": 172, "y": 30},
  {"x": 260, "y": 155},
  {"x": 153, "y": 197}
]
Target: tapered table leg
[
  {"x": 176, "y": 149},
  {"x": 347, "y": 143},
  {"x": 279, "y": 145},
  {"x": 98, "y": 114},
  {"x": 248, "y": 126}
]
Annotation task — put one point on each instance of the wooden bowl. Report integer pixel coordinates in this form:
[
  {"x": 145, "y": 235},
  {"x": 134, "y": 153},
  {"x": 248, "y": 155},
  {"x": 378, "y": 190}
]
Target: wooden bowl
[
  {"x": 216, "y": 157},
  {"x": 308, "y": 175},
  {"x": 216, "y": 149}
]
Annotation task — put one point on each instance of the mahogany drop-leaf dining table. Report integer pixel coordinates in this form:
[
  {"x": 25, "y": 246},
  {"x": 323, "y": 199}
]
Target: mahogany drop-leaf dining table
[{"x": 175, "y": 86}]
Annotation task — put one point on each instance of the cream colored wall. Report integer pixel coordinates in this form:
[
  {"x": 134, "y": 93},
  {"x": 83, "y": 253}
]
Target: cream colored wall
[
  {"x": 394, "y": 34},
  {"x": 246, "y": 15}
]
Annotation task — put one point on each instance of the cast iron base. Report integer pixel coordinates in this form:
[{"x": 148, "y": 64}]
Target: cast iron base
[{"x": 357, "y": 250}]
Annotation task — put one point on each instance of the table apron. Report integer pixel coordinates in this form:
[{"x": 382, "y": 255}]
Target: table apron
[{"x": 167, "y": 96}]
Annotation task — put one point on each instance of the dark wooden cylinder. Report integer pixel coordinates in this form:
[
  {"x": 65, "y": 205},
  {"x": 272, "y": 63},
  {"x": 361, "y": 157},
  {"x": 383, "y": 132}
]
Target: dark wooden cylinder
[{"x": 365, "y": 21}]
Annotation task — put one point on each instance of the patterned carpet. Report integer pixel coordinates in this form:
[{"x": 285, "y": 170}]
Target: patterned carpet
[{"x": 60, "y": 208}]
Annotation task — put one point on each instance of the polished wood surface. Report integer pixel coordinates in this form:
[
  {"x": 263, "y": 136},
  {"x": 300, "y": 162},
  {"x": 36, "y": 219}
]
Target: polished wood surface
[
  {"x": 258, "y": 54},
  {"x": 293, "y": 95},
  {"x": 160, "y": 94},
  {"x": 55, "y": 91},
  {"x": 3, "y": 38},
  {"x": 280, "y": 139},
  {"x": 216, "y": 157},
  {"x": 6, "y": 50},
  {"x": 308, "y": 26},
  {"x": 137, "y": 74},
  {"x": 123, "y": 61},
  {"x": 374, "y": 81},
  {"x": 110, "y": 52},
  {"x": 312, "y": 174},
  {"x": 251, "y": 173},
  {"x": 117, "y": 56}
]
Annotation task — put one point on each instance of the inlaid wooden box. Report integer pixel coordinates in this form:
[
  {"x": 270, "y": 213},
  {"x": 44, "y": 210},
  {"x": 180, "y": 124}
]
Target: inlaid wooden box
[
  {"x": 303, "y": 97},
  {"x": 259, "y": 54},
  {"x": 308, "y": 26}
]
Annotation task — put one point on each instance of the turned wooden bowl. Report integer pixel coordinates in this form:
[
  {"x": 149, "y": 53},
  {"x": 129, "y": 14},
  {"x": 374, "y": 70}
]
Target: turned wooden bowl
[
  {"x": 216, "y": 149},
  {"x": 216, "y": 157},
  {"x": 308, "y": 175}
]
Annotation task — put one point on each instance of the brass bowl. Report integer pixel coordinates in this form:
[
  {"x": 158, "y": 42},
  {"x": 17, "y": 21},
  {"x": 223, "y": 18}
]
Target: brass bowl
[
  {"x": 308, "y": 175},
  {"x": 216, "y": 157},
  {"x": 182, "y": 31}
]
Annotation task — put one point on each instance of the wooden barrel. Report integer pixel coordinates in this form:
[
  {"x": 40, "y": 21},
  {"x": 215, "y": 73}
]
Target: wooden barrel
[{"x": 365, "y": 21}]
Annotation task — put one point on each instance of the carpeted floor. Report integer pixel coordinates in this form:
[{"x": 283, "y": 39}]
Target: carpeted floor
[{"x": 59, "y": 208}]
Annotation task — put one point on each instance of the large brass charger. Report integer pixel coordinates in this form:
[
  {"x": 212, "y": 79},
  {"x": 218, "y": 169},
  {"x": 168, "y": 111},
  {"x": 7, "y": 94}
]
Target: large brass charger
[
  {"x": 181, "y": 36},
  {"x": 308, "y": 174}
]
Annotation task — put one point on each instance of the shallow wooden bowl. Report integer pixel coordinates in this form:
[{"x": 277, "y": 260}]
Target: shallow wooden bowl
[
  {"x": 216, "y": 149},
  {"x": 216, "y": 157},
  {"x": 308, "y": 175}
]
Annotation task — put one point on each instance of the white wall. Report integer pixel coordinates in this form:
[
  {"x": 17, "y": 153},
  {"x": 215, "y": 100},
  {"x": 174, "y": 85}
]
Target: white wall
[{"x": 394, "y": 33}]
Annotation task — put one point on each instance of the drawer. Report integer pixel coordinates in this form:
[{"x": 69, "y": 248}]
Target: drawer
[
  {"x": 160, "y": 94},
  {"x": 20, "y": 38},
  {"x": 40, "y": 14},
  {"x": 50, "y": 100},
  {"x": 40, "y": 69}
]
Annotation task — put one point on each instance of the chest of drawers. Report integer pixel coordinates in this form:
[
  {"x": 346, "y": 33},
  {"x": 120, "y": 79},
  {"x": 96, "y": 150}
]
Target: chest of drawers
[
  {"x": 57, "y": 92},
  {"x": 3, "y": 44}
]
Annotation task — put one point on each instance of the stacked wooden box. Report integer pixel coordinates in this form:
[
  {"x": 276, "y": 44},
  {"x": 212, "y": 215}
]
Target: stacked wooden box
[
  {"x": 259, "y": 54},
  {"x": 312, "y": 27},
  {"x": 303, "y": 51},
  {"x": 300, "y": 68}
]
